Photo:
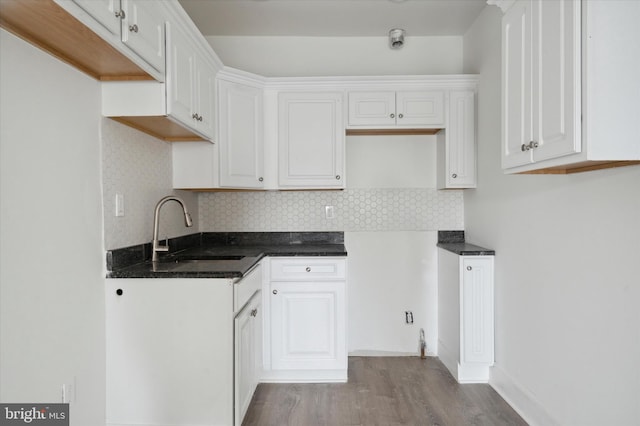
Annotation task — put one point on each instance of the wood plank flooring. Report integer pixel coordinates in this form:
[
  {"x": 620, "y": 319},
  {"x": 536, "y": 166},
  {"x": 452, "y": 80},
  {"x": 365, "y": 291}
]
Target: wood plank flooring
[{"x": 382, "y": 391}]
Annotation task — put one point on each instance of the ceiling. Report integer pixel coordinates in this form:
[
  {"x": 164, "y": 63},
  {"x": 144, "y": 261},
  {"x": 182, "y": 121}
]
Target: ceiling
[{"x": 332, "y": 18}]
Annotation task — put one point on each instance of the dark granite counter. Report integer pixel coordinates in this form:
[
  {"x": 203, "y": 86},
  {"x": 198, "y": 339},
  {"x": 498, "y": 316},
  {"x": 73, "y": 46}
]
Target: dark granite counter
[
  {"x": 220, "y": 254},
  {"x": 454, "y": 242}
]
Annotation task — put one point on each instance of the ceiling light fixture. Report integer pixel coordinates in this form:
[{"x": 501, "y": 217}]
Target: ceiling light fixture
[{"x": 396, "y": 38}]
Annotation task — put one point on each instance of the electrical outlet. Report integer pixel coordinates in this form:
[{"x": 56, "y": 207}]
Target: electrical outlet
[
  {"x": 68, "y": 393},
  {"x": 329, "y": 212},
  {"x": 408, "y": 317}
]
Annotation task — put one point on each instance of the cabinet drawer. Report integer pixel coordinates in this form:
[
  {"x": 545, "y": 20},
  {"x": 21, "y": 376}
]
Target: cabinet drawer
[{"x": 304, "y": 268}]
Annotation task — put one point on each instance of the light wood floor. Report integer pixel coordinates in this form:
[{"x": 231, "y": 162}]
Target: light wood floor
[{"x": 382, "y": 391}]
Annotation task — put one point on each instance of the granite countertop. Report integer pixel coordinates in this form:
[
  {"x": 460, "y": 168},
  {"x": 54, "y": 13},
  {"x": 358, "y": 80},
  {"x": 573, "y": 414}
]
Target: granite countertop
[
  {"x": 454, "y": 242},
  {"x": 221, "y": 255}
]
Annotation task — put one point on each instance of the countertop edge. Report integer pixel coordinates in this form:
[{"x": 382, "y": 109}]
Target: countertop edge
[{"x": 466, "y": 249}]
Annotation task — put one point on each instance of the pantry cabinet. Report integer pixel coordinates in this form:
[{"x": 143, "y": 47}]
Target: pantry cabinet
[
  {"x": 402, "y": 108},
  {"x": 566, "y": 79},
  {"x": 466, "y": 315},
  {"x": 307, "y": 320},
  {"x": 241, "y": 112},
  {"x": 311, "y": 148}
]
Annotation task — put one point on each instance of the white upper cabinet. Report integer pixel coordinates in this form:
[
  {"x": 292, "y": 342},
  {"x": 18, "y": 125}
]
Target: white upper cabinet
[
  {"x": 138, "y": 23},
  {"x": 457, "y": 143},
  {"x": 311, "y": 140},
  {"x": 106, "y": 12},
  {"x": 143, "y": 31},
  {"x": 567, "y": 75},
  {"x": 383, "y": 109},
  {"x": 241, "y": 135},
  {"x": 190, "y": 83},
  {"x": 541, "y": 83}
]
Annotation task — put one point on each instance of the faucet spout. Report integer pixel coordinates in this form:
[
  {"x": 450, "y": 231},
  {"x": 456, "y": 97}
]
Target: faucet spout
[{"x": 157, "y": 247}]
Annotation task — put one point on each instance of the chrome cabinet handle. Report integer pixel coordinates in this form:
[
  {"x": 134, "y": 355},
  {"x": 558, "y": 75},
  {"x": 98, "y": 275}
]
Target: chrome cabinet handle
[
  {"x": 275, "y": 291},
  {"x": 392, "y": 115},
  {"x": 337, "y": 177},
  {"x": 400, "y": 115},
  {"x": 308, "y": 269},
  {"x": 530, "y": 145},
  {"x": 254, "y": 312},
  {"x": 120, "y": 14},
  {"x": 260, "y": 179},
  {"x": 533, "y": 144},
  {"x": 454, "y": 175},
  {"x": 133, "y": 28},
  {"x": 469, "y": 268}
]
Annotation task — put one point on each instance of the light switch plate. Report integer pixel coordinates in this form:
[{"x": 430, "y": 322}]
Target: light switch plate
[{"x": 119, "y": 205}]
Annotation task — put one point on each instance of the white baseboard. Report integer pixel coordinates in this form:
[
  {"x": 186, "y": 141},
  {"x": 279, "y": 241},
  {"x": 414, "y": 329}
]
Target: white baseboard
[
  {"x": 521, "y": 400},
  {"x": 386, "y": 353}
]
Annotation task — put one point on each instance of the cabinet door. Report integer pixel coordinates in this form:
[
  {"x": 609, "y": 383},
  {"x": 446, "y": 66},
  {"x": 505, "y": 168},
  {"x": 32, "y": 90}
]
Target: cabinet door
[
  {"x": 461, "y": 143},
  {"x": 516, "y": 85},
  {"x": 311, "y": 140},
  {"x": 205, "y": 94},
  {"x": 143, "y": 31},
  {"x": 241, "y": 135},
  {"x": 476, "y": 344},
  {"x": 425, "y": 108},
  {"x": 556, "y": 78},
  {"x": 180, "y": 76},
  {"x": 308, "y": 326},
  {"x": 106, "y": 12},
  {"x": 245, "y": 355},
  {"x": 372, "y": 108}
]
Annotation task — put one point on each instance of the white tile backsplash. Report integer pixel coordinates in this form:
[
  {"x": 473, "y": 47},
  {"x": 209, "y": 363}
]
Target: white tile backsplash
[
  {"x": 389, "y": 209},
  {"x": 139, "y": 167}
]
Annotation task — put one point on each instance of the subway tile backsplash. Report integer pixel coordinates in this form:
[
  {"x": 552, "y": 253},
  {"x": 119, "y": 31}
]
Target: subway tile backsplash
[{"x": 389, "y": 209}]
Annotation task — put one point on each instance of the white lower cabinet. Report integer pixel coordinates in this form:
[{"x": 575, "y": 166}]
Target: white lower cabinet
[
  {"x": 169, "y": 351},
  {"x": 248, "y": 353},
  {"x": 307, "y": 320},
  {"x": 465, "y": 315},
  {"x": 182, "y": 351}
]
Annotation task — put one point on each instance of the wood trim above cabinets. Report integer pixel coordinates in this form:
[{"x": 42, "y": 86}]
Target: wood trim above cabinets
[{"x": 160, "y": 127}]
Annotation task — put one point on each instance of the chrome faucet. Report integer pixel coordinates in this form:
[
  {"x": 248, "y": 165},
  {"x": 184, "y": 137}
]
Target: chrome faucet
[{"x": 156, "y": 224}]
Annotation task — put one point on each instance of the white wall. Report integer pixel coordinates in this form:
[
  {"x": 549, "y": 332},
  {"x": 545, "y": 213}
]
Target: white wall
[
  {"x": 567, "y": 283},
  {"x": 390, "y": 213},
  {"x": 331, "y": 56},
  {"x": 51, "y": 256}
]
